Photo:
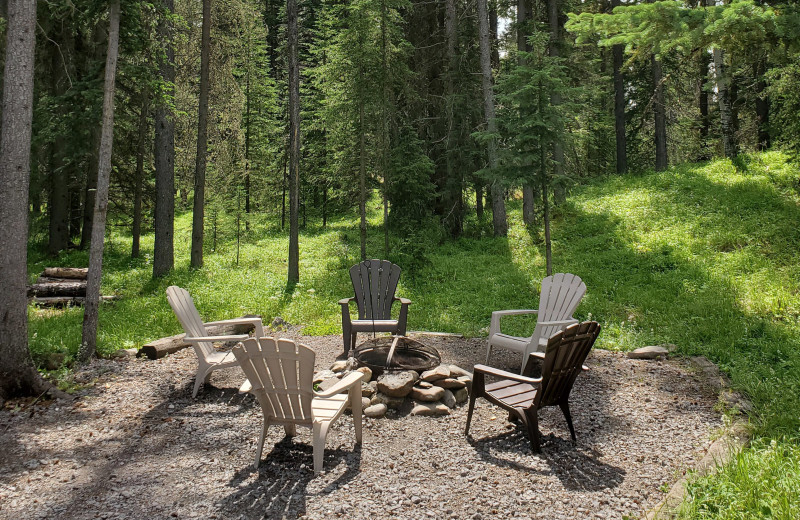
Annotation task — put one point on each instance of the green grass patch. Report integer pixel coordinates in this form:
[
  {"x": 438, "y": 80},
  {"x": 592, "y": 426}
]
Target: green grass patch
[{"x": 704, "y": 256}]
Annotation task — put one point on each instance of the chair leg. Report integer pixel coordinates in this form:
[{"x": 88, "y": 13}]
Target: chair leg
[
  {"x": 290, "y": 430},
  {"x": 352, "y": 342},
  {"x": 472, "y": 398},
  {"x": 532, "y": 422},
  {"x": 320, "y": 432},
  {"x": 200, "y": 378},
  {"x": 565, "y": 408},
  {"x": 355, "y": 407},
  {"x": 261, "y": 441},
  {"x": 488, "y": 351}
]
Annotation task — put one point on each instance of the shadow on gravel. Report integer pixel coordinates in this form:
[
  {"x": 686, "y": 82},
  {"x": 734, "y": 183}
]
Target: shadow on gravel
[
  {"x": 281, "y": 488},
  {"x": 578, "y": 468}
]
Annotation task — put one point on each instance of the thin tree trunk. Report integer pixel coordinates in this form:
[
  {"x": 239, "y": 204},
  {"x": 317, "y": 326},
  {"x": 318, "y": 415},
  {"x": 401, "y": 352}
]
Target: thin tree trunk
[
  {"x": 198, "y": 214},
  {"x": 385, "y": 129},
  {"x": 523, "y": 14},
  {"x": 293, "y": 275},
  {"x": 164, "y": 157},
  {"x": 58, "y": 209},
  {"x": 725, "y": 111},
  {"x": 499, "y": 220},
  {"x": 548, "y": 255},
  {"x": 762, "y": 105},
  {"x": 362, "y": 180},
  {"x": 554, "y": 50},
  {"x": 659, "y": 111},
  {"x": 479, "y": 200},
  {"x": 617, "y": 52},
  {"x": 246, "y": 148},
  {"x": 17, "y": 373},
  {"x": 705, "y": 122},
  {"x": 89, "y": 194},
  {"x": 90, "y": 314},
  {"x": 454, "y": 204},
  {"x": 137, "y": 189}
]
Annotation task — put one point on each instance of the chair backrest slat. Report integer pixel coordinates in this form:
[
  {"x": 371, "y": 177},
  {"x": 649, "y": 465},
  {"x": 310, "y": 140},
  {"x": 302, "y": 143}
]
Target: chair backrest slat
[
  {"x": 374, "y": 283},
  {"x": 283, "y": 371},
  {"x": 563, "y": 361},
  {"x": 560, "y": 296},
  {"x": 183, "y": 306}
]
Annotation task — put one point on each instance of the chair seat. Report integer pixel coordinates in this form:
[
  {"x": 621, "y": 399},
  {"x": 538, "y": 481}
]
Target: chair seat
[
  {"x": 514, "y": 343},
  {"x": 376, "y": 325},
  {"x": 222, "y": 358},
  {"x": 512, "y": 393},
  {"x": 328, "y": 408}
]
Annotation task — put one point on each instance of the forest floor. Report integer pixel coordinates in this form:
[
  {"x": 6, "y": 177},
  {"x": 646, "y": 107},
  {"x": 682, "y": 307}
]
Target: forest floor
[{"x": 134, "y": 444}]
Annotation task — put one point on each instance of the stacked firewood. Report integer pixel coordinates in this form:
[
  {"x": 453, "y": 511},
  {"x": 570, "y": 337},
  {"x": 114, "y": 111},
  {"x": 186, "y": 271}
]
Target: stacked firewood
[{"x": 60, "y": 286}]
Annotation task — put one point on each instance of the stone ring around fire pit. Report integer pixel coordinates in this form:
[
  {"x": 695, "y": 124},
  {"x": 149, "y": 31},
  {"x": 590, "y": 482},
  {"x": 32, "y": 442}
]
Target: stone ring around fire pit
[{"x": 415, "y": 381}]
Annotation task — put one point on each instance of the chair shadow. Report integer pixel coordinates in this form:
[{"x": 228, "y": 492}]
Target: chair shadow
[
  {"x": 577, "y": 467},
  {"x": 280, "y": 491}
]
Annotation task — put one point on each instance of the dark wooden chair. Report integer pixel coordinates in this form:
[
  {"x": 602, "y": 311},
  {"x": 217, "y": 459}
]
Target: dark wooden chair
[
  {"x": 374, "y": 284},
  {"x": 523, "y": 395}
]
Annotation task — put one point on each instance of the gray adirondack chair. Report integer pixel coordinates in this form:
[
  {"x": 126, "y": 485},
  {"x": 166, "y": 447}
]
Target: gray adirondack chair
[
  {"x": 523, "y": 395},
  {"x": 561, "y": 294},
  {"x": 208, "y": 359},
  {"x": 374, "y": 284},
  {"x": 279, "y": 374}
]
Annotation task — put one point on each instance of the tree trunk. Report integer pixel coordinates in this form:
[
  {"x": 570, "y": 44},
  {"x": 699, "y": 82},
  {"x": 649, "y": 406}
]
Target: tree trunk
[
  {"x": 762, "y": 105},
  {"x": 548, "y": 253},
  {"x": 164, "y": 249},
  {"x": 554, "y": 49},
  {"x": 246, "y": 146},
  {"x": 454, "y": 204},
  {"x": 89, "y": 194},
  {"x": 705, "y": 122},
  {"x": 659, "y": 111},
  {"x": 137, "y": 190},
  {"x": 499, "y": 220},
  {"x": 90, "y": 313},
  {"x": 479, "y": 200},
  {"x": 293, "y": 275},
  {"x": 523, "y": 14},
  {"x": 619, "y": 104},
  {"x": 198, "y": 211},
  {"x": 17, "y": 373},
  {"x": 58, "y": 209}
]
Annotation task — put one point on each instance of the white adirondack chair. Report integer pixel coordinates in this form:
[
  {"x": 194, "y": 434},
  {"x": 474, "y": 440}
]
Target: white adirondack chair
[
  {"x": 208, "y": 359},
  {"x": 561, "y": 294},
  {"x": 279, "y": 374}
]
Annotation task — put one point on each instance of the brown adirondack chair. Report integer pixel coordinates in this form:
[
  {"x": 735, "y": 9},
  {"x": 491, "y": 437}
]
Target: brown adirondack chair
[
  {"x": 374, "y": 284},
  {"x": 523, "y": 395}
]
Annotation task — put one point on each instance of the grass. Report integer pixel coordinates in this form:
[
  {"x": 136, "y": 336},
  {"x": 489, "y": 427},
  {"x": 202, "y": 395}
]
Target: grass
[{"x": 704, "y": 256}]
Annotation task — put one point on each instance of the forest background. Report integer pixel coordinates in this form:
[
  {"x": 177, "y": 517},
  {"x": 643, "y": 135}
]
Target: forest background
[{"x": 263, "y": 118}]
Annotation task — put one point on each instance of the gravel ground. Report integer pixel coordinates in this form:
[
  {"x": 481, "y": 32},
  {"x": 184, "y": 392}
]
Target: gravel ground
[{"x": 136, "y": 445}]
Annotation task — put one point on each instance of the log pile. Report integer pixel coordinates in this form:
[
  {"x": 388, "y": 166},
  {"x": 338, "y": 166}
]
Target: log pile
[{"x": 61, "y": 286}]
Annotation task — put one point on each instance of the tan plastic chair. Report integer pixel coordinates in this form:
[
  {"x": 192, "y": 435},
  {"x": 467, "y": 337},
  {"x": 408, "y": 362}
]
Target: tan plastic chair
[
  {"x": 208, "y": 359},
  {"x": 374, "y": 284},
  {"x": 279, "y": 374},
  {"x": 561, "y": 294},
  {"x": 523, "y": 396}
]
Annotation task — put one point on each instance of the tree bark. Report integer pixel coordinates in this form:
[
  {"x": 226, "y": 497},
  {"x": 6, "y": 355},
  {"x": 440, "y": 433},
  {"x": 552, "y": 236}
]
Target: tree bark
[
  {"x": 58, "y": 209},
  {"x": 705, "y": 122},
  {"x": 499, "y": 220},
  {"x": 725, "y": 110},
  {"x": 137, "y": 190},
  {"x": 90, "y": 314},
  {"x": 164, "y": 156},
  {"x": 554, "y": 49},
  {"x": 198, "y": 212},
  {"x": 659, "y": 112},
  {"x": 17, "y": 373},
  {"x": 454, "y": 203},
  {"x": 293, "y": 274}
]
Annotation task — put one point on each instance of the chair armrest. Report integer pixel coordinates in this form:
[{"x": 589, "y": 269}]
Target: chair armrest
[
  {"x": 506, "y": 375},
  {"x": 256, "y": 322},
  {"x": 568, "y": 321},
  {"x": 540, "y": 356},
  {"x": 494, "y": 327},
  {"x": 403, "y": 301},
  {"x": 345, "y": 301},
  {"x": 212, "y": 339},
  {"x": 353, "y": 378}
]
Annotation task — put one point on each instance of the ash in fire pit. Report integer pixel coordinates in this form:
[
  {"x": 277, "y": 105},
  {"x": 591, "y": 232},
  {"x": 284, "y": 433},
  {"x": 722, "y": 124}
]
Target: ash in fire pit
[{"x": 402, "y": 353}]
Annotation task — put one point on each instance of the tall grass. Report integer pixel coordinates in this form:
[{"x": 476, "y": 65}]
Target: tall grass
[{"x": 704, "y": 256}]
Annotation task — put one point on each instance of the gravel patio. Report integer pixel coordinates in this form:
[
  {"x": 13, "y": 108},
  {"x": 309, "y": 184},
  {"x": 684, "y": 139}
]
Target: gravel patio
[{"x": 136, "y": 445}]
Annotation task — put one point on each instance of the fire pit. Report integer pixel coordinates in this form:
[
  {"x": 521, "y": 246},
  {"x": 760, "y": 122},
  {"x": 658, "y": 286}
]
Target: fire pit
[{"x": 394, "y": 354}]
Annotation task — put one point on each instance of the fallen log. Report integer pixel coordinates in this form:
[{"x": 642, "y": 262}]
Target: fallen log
[
  {"x": 63, "y": 301},
  {"x": 161, "y": 347},
  {"x": 76, "y": 273},
  {"x": 65, "y": 288}
]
